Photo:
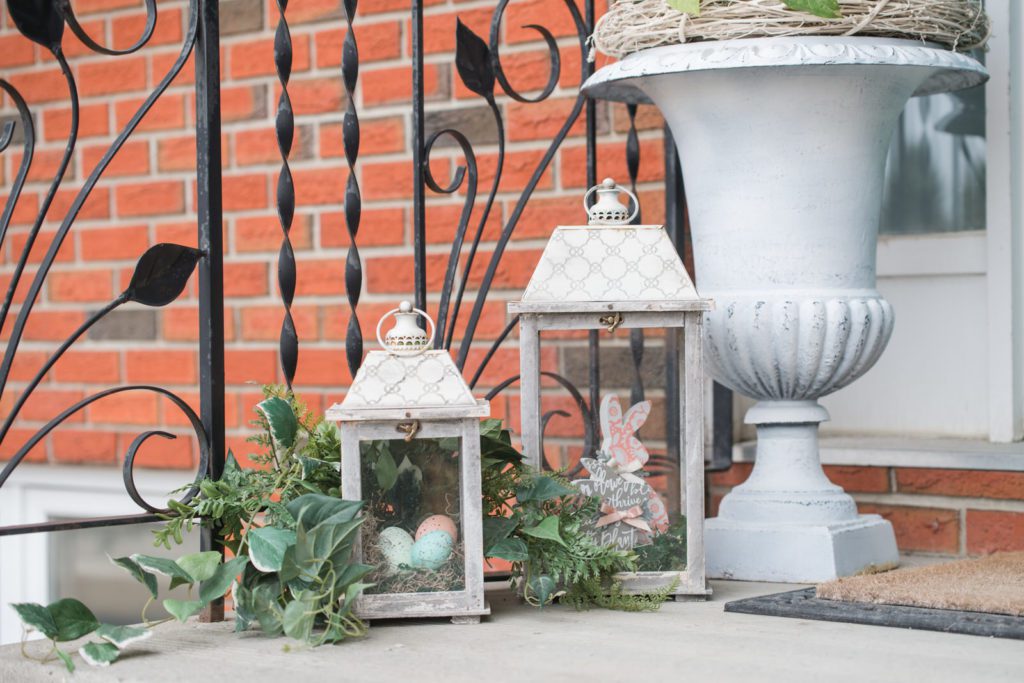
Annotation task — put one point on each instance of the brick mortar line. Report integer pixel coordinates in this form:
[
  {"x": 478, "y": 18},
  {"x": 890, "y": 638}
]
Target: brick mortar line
[{"x": 957, "y": 503}]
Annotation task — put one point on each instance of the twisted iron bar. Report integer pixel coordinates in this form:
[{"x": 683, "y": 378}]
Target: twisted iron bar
[
  {"x": 353, "y": 198},
  {"x": 285, "y": 129}
]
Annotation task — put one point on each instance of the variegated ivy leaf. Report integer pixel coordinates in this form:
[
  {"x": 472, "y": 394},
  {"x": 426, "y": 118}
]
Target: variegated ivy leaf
[
  {"x": 165, "y": 567},
  {"x": 267, "y": 546},
  {"x": 826, "y": 9},
  {"x": 99, "y": 654},
  {"x": 200, "y": 566},
  {"x": 284, "y": 426},
  {"x": 691, "y": 7},
  {"x": 183, "y": 609},
  {"x": 122, "y": 636},
  {"x": 140, "y": 575}
]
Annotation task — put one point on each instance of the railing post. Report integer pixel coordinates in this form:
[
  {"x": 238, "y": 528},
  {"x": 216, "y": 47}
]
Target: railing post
[{"x": 211, "y": 267}]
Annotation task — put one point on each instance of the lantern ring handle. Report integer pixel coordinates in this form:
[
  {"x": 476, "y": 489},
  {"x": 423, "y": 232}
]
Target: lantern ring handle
[
  {"x": 616, "y": 186},
  {"x": 430, "y": 340}
]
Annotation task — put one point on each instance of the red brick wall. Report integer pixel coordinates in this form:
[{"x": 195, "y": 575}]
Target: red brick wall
[
  {"x": 148, "y": 196},
  {"x": 945, "y": 512}
]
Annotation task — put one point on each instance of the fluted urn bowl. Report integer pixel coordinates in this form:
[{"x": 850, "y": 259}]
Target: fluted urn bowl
[{"x": 783, "y": 144}]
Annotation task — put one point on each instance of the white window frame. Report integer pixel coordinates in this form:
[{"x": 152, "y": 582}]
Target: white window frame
[{"x": 37, "y": 493}]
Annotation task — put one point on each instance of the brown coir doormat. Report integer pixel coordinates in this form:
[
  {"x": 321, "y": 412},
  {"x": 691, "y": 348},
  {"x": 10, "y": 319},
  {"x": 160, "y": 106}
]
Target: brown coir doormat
[{"x": 993, "y": 584}]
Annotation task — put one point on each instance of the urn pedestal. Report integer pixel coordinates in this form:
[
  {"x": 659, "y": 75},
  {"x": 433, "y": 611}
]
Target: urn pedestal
[{"x": 783, "y": 144}]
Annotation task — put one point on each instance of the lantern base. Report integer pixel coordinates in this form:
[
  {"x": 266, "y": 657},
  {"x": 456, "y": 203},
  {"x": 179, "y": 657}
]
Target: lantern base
[{"x": 798, "y": 553}]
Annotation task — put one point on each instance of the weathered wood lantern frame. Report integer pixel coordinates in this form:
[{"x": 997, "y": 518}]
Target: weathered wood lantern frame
[
  {"x": 408, "y": 392},
  {"x": 589, "y": 279}
]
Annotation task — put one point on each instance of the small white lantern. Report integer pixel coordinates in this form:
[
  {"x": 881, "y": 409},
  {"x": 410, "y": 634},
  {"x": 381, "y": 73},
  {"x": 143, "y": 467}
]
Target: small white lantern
[
  {"x": 410, "y": 448},
  {"x": 611, "y": 275}
]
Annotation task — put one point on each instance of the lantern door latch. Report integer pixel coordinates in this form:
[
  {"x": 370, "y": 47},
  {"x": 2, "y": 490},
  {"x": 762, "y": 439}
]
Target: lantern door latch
[
  {"x": 410, "y": 429},
  {"x": 611, "y": 321}
]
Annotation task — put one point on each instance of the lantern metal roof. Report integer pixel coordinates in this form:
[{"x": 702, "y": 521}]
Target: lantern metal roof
[
  {"x": 407, "y": 381},
  {"x": 609, "y": 261}
]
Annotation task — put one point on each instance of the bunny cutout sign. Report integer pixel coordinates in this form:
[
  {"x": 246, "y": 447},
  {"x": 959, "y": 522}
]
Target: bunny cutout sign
[{"x": 632, "y": 513}]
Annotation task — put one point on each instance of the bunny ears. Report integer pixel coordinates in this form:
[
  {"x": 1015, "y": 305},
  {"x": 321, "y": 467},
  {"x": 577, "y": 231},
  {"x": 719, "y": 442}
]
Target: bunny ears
[
  {"x": 612, "y": 420},
  {"x": 625, "y": 450}
]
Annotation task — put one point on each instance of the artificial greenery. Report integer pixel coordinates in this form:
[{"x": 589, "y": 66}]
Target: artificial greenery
[
  {"x": 69, "y": 619},
  {"x": 286, "y": 515},
  {"x": 292, "y": 537},
  {"x": 300, "y": 453},
  {"x": 537, "y": 521},
  {"x": 301, "y": 580},
  {"x": 666, "y": 551}
]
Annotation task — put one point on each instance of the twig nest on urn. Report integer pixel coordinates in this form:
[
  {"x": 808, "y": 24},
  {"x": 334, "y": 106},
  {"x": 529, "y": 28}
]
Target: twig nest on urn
[{"x": 633, "y": 25}]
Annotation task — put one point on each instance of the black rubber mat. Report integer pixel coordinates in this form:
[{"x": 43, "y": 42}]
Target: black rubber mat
[{"x": 801, "y": 604}]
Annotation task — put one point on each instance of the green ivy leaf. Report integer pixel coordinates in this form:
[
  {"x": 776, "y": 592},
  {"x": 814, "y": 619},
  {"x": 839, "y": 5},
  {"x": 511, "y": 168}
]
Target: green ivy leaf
[
  {"x": 138, "y": 573},
  {"x": 268, "y": 610},
  {"x": 543, "y": 589},
  {"x": 164, "y": 567},
  {"x": 350, "y": 576},
  {"x": 283, "y": 424},
  {"x": 386, "y": 471},
  {"x": 691, "y": 7},
  {"x": 826, "y": 9},
  {"x": 496, "y": 529},
  {"x": 547, "y": 529},
  {"x": 73, "y": 619},
  {"x": 543, "y": 488},
  {"x": 218, "y": 584},
  {"x": 38, "y": 617},
  {"x": 66, "y": 658},
  {"x": 183, "y": 609},
  {"x": 312, "y": 509},
  {"x": 299, "y": 615},
  {"x": 511, "y": 549},
  {"x": 99, "y": 654},
  {"x": 200, "y": 566},
  {"x": 267, "y": 546},
  {"x": 122, "y": 636}
]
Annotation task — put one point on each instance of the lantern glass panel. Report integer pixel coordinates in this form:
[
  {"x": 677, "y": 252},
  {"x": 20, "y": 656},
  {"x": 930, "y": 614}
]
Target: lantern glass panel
[
  {"x": 413, "y": 530},
  {"x": 634, "y": 466}
]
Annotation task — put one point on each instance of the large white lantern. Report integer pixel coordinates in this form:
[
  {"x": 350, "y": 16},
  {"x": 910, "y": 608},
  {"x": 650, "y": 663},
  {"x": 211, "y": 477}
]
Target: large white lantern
[
  {"x": 410, "y": 448},
  {"x": 610, "y": 275}
]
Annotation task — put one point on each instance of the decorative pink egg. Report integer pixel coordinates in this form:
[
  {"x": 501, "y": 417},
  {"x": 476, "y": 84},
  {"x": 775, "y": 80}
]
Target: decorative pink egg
[{"x": 438, "y": 523}]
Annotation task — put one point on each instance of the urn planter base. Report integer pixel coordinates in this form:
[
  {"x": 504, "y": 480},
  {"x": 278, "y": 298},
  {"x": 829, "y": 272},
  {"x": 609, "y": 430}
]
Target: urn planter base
[{"x": 798, "y": 553}]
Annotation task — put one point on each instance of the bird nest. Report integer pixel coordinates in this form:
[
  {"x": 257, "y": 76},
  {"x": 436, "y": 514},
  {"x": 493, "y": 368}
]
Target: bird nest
[{"x": 633, "y": 25}]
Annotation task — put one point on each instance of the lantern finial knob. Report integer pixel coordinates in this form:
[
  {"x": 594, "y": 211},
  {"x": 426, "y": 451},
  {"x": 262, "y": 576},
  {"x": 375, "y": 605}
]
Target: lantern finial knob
[
  {"x": 406, "y": 338},
  {"x": 608, "y": 210}
]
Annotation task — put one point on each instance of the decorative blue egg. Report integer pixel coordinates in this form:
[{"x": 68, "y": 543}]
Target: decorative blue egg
[
  {"x": 432, "y": 550},
  {"x": 395, "y": 546}
]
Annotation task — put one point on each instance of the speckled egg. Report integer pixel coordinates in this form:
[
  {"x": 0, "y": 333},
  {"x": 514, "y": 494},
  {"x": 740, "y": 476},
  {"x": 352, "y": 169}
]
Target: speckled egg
[
  {"x": 432, "y": 551},
  {"x": 395, "y": 546},
  {"x": 438, "y": 523}
]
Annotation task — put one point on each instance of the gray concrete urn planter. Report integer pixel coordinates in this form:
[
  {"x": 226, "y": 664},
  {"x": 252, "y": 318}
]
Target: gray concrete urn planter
[{"x": 783, "y": 144}]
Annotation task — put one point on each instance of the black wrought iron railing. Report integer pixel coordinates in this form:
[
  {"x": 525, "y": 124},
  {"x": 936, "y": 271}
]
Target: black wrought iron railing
[{"x": 162, "y": 272}]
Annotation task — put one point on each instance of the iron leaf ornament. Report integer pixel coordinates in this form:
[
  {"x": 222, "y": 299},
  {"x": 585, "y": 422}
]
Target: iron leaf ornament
[
  {"x": 41, "y": 21},
  {"x": 161, "y": 274},
  {"x": 473, "y": 60}
]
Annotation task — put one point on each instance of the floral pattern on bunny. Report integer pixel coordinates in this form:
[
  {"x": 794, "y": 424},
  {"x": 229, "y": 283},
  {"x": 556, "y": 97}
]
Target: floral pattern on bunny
[{"x": 625, "y": 452}]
